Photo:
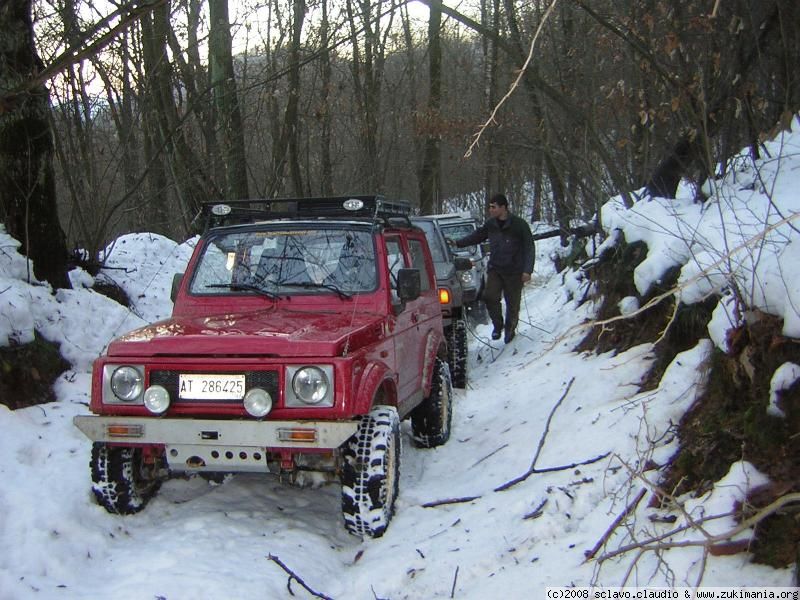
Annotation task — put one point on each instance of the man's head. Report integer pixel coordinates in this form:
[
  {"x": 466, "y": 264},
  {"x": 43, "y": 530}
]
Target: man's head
[{"x": 498, "y": 206}]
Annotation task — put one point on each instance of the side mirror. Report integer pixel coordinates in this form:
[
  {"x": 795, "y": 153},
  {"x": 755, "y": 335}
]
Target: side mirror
[
  {"x": 462, "y": 263},
  {"x": 408, "y": 284},
  {"x": 176, "y": 285}
]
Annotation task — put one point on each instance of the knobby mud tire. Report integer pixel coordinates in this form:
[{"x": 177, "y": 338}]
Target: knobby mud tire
[
  {"x": 457, "y": 353},
  {"x": 431, "y": 421},
  {"x": 121, "y": 482},
  {"x": 371, "y": 473}
]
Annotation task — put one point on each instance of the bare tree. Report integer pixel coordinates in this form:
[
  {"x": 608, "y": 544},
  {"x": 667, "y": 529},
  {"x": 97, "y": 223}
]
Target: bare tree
[
  {"x": 286, "y": 149},
  {"x": 167, "y": 136},
  {"x": 223, "y": 82},
  {"x": 430, "y": 176},
  {"x": 27, "y": 184}
]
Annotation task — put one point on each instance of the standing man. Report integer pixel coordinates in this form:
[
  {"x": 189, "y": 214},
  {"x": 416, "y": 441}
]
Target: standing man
[{"x": 510, "y": 263}]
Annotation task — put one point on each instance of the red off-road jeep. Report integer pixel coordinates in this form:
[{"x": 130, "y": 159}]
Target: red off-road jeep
[{"x": 300, "y": 338}]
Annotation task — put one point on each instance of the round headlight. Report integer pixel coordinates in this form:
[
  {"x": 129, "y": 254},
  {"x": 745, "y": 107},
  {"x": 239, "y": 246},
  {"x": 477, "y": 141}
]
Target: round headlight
[
  {"x": 127, "y": 384},
  {"x": 257, "y": 402},
  {"x": 466, "y": 277},
  {"x": 156, "y": 399},
  {"x": 310, "y": 385}
]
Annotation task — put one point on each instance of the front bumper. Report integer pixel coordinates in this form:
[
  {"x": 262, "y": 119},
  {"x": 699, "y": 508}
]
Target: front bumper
[{"x": 216, "y": 433}]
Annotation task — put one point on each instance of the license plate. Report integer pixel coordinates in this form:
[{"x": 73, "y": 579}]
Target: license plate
[{"x": 210, "y": 387}]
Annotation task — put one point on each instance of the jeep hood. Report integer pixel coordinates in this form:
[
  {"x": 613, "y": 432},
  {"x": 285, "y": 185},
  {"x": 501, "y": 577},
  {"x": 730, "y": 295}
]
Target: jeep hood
[{"x": 267, "y": 332}]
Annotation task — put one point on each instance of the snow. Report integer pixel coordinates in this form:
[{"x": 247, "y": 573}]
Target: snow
[
  {"x": 535, "y": 404},
  {"x": 784, "y": 377}
]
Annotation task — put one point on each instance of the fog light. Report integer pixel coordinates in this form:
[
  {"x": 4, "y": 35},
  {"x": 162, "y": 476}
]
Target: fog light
[
  {"x": 257, "y": 402},
  {"x": 156, "y": 399}
]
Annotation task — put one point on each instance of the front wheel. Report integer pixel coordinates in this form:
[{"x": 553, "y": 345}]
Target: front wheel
[
  {"x": 371, "y": 473},
  {"x": 431, "y": 420},
  {"x": 121, "y": 480}
]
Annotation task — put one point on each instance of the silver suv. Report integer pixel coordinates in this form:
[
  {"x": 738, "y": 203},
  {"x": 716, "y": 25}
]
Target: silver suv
[
  {"x": 449, "y": 267},
  {"x": 455, "y": 226}
]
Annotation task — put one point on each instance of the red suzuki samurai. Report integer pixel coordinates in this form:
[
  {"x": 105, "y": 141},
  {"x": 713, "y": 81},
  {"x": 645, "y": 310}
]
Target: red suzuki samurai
[{"x": 303, "y": 332}]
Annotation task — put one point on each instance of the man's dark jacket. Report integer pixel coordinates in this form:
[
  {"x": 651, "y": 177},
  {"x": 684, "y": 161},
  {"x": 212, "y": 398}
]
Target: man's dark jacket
[{"x": 510, "y": 244}]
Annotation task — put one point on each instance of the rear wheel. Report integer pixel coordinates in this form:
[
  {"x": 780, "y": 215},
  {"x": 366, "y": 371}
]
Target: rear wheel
[
  {"x": 431, "y": 421},
  {"x": 121, "y": 481},
  {"x": 457, "y": 353},
  {"x": 371, "y": 473}
]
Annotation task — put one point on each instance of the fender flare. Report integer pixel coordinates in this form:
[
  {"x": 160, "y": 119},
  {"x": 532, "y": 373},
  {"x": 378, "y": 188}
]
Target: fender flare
[{"x": 374, "y": 377}]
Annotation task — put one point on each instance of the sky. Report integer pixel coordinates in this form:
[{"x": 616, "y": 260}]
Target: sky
[{"x": 576, "y": 416}]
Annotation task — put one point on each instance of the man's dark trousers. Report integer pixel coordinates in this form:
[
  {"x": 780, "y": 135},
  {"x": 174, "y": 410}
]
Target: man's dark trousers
[{"x": 508, "y": 285}]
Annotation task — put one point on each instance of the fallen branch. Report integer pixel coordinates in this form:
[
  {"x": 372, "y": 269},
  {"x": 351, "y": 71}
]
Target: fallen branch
[
  {"x": 455, "y": 579},
  {"x": 435, "y": 503},
  {"x": 489, "y": 455},
  {"x": 536, "y": 512},
  {"x": 590, "y": 554},
  {"x": 293, "y": 575},
  {"x": 571, "y": 465},
  {"x": 530, "y": 471}
]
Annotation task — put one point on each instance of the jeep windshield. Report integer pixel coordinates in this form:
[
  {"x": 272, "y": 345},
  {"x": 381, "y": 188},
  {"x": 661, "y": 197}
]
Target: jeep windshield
[{"x": 285, "y": 260}]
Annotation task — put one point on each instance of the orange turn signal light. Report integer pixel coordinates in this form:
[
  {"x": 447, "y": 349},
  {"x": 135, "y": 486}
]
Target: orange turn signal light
[
  {"x": 114, "y": 431},
  {"x": 444, "y": 296},
  {"x": 297, "y": 434}
]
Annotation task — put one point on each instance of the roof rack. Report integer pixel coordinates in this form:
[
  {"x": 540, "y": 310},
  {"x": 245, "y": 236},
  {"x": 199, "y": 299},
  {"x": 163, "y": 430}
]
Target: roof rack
[{"x": 360, "y": 207}]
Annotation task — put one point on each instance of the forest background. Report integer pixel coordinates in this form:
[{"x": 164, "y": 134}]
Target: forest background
[{"x": 127, "y": 115}]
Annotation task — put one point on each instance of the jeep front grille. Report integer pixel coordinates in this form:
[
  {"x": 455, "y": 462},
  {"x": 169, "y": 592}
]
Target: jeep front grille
[{"x": 266, "y": 380}]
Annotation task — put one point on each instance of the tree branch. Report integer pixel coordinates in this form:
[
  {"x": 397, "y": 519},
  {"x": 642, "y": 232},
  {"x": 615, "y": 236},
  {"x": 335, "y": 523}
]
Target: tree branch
[
  {"x": 293, "y": 575},
  {"x": 589, "y": 554},
  {"x": 75, "y": 53},
  {"x": 714, "y": 543},
  {"x": 532, "y": 468}
]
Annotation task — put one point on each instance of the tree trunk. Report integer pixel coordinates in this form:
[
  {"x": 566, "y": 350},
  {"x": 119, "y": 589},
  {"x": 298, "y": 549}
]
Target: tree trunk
[
  {"x": 325, "y": 109},
  {"x": 367, "y": 69},
  {"x": 430, "y": 181},
  {"x": 223, "y": 82},
  {"x": 286, "y": 150},
  {"x": 27, "y": 182},
  {"x": 191, "y": 183},
  {"x": 194, "y": 73},
  {"x": 490, "y": 19}
]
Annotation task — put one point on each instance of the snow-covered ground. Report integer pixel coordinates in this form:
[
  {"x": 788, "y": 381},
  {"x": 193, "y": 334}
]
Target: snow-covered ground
[{"x": 535, "y": 399}]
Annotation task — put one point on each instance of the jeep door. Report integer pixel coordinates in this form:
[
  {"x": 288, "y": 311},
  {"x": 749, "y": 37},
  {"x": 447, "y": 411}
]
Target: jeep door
[{"x": 409, "y": 322}]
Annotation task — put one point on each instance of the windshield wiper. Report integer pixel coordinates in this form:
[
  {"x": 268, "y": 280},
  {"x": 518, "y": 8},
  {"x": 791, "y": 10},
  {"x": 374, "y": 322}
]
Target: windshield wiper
[
  {"x": 245, "y": 286},
  {"x": 327, "y": 286}
]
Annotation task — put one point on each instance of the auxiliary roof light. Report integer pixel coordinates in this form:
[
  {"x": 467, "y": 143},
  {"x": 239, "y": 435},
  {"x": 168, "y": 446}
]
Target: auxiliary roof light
[
  {"x": 221, "y": 210},
  {"x": 353, "y": 204}
]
